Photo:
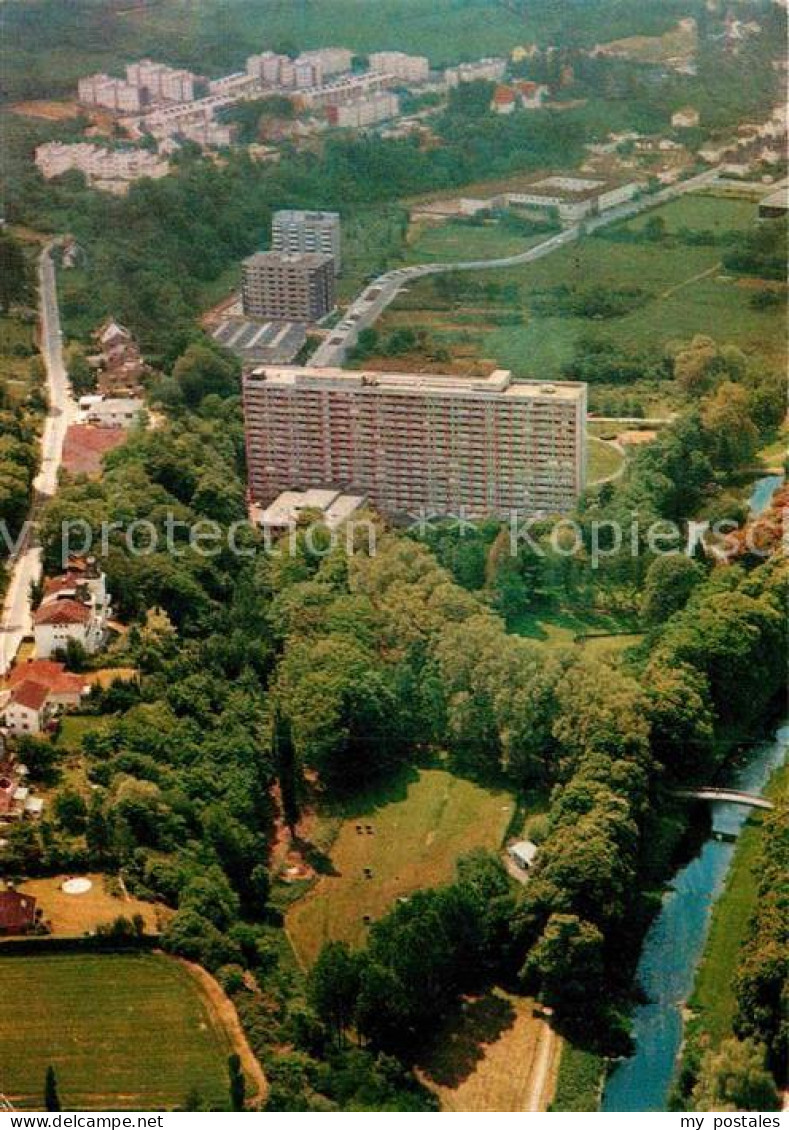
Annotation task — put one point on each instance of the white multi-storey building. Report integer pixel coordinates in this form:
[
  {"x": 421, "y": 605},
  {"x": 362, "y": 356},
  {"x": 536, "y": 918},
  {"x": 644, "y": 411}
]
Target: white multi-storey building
[
  {"x": 417, "y": 442},
  {"x": 111, "y": 93},
  {"x": 363, "y": 112},
  {"x": 406, "y": 68},
  {"x": 331, "y": 60},
  {"x": 111, "y": 170},
  {"x": 491, "y": 70},
  {"x": 293, "y": 230}
]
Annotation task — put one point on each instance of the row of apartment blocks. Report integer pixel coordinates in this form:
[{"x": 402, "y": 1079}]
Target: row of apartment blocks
[
  {"x": 417, "y": 443},
  {"x": 146, "y": 84},
  {"x": 111, "y": 170}
]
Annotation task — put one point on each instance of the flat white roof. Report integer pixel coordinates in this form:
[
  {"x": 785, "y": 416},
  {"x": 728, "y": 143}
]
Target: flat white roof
[
  {"x": 333, "y": 506},
  {"x": 498, "y": 383}
]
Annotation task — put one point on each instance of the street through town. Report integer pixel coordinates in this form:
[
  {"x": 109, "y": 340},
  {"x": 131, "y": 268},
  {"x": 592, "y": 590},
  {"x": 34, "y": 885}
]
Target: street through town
[{"x": 25, "y": 563}]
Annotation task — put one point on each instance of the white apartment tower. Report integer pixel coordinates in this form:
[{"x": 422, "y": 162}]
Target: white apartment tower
[{"x": 296, "y": 231}]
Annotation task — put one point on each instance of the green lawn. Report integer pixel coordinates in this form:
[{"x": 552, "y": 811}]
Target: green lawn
[
  {"x": 122, "y": 1032},
  {"x": 702, "y": 211},
  {"x": 557, "y": 629},
  {"x": 580, "y": 1081},
  {"x": 603, "y": 460},
  {"x": 450, "y": 241},
  {"x": 74, "y": 727},
  {"x": 420, "y": 828}
]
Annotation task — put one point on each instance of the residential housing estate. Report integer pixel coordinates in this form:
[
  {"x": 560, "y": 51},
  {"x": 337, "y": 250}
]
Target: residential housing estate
[
  {"x": 417, "y": 442},
  {"x": 110, "y": 170}
]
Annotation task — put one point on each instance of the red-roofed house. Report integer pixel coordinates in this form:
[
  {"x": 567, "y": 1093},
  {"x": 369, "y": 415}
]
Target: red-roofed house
[
  {"x": 17, "y": 912},
  {"x": 75, "y": 606},
  {"x": 532, "y": 94},
  {"x": 28, "y": 709},
  {"x": 64, "y": 688},
  {"x": 504, "y": 100}
]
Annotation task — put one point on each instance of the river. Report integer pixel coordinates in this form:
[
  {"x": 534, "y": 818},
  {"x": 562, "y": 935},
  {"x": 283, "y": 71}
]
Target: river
[{"x": 675, "y": 941}]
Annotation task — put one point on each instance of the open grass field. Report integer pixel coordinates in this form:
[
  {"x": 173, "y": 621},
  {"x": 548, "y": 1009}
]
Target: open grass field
[
  {"x": 701, "y": 211},
  {"x": 77, "y": 914},
  {"x": 448, "y": 242},
  {"x": 128, "y": 1032},
  {"x": 74, "y": 727},
  {"x": 419, "y": 829},
  {"x": 687, "y": 293},
  {"x": 604, "y": 460},
  {"x": 560, "y": 628},
  {"x": 713, "y": 1001},
  {"x": 493, "y": 1055}
]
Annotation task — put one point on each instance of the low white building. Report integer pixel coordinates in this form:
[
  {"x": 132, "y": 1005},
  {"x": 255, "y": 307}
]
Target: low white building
[
  {"x": 491, "y": 70},
  {"x": 523, "y": 854},
  {"x": 686, "y": 118},
  {"x": 573, "y": 197},
  {"x": 329, "y": 507},
  {"x": 110, "y": 411},
  {"x": 27, "y": 710}
]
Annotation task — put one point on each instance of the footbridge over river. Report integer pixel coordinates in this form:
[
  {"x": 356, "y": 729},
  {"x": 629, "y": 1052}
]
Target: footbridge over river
[{"x": 731, "y": 796}]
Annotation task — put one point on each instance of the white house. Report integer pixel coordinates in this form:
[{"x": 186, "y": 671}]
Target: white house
[
  {"x": 686, "y": 118},
  {"x": 532, "y": 94},
  {"x": 28, "y": 710},
  {"x": 76, "y": 606},
  {"x": 523, "y": 854}
]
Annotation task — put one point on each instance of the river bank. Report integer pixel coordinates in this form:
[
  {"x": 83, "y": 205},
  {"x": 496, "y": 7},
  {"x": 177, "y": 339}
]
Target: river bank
[
  {"x": 712, "y": 1006},
  {"x": 675, "y": 942}
]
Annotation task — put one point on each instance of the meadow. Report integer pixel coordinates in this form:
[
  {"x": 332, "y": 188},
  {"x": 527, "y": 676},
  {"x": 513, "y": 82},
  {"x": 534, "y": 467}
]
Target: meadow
[
  {"x": 449, "y": 242},
  {"x": 130, "y": 1032},
  {"x": 493, "y": 1054},
  {"x": 419, "y": 828},
  {"x": 685, "y": 292}
]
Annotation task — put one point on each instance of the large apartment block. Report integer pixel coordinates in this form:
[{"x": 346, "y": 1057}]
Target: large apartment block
[
  {"x": 417, "y": 443},
  {"x": 407, "y": 68},
  {"x": 289, "y": 288},
  {"x": 297, "y": 231}
]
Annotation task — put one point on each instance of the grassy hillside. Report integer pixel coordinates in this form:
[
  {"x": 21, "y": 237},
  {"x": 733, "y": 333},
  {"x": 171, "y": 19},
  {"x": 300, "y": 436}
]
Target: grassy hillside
[{"x": 47, "y": 44}]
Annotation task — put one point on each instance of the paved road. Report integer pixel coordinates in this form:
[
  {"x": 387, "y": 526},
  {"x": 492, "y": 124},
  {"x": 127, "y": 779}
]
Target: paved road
[
  {"x": 25, "y": 565},
  {"x": 378, "y": 294}
]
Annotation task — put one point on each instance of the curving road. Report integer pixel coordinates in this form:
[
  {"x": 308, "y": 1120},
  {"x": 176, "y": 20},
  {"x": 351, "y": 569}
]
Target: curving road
[
  {"x": 378, "y": 294},
  {"x": 25, "y": 562}
]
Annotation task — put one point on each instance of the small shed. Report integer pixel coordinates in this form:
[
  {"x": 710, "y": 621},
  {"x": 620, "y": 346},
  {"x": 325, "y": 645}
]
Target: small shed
[{"x": 523, "y": 853}]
